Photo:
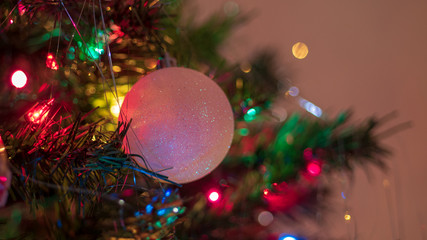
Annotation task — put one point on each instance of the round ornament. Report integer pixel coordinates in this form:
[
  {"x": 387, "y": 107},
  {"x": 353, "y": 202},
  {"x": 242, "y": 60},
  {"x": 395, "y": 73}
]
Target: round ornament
[{"x": 182, "y": 123}]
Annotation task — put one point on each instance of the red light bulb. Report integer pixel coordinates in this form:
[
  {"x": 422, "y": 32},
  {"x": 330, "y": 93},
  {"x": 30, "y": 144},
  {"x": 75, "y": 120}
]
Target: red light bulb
[
  {"x": 213, "y": 196},
  {"x": 314, "y": 169},
  {"x": 3, "y": 179},
  {"x": 39, "y": 112},
  {"x": 51, "y": 62},
  {"x": 19, "y": 79},
  {"x": 266, "y": 192}
]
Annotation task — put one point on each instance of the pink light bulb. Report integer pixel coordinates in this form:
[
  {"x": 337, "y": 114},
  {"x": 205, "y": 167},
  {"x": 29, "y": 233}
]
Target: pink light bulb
[{"x": 314, "y": 169}]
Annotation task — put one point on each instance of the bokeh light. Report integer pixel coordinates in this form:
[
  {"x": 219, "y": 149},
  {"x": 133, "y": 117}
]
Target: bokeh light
[
  {"x": 287, "y": 237},
  {"x": 347, "y": 216},
  {"x": 251, "y": 114},
  {"x": 293, "y": 91},
  {"x": 308, "y": 154},
  {"x": 245, "y": 67},
  {"x": 314, "y": 169},
  {"x": 51, "y": 62},
  {"x": 117, "y": 69},
  {"x": 19, "y": 79},
  {"x": 386, "y": 183},
  {"x": 265, "y": 218},
  {"x": 150, "y": 63},
  {"x": 289, "y": 139},
  {"x": 280, "y": 113},
  {"x": 243, "y": 131},
  {"x": 265, "y": 192},
  {"x": 310, "y": 107},
  {"x": 239, "y": 83},
  {"x": 300, "y": 50},
  {"x": 231, "y": 8},
  {"x": 115, "y": 109},
  {"x": 213, "y": 196}
]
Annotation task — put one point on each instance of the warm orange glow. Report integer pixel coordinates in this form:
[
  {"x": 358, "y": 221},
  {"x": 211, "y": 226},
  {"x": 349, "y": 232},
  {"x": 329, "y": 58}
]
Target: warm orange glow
[
  {"x": 347, "y": 217},
  {"x": 300, "y": 50},
  {"x": 245, "y": 67},
  {"x": 150, "y": 63},
  {"x": 115, "y": 108},
  {"x": 239, "y": 83}
]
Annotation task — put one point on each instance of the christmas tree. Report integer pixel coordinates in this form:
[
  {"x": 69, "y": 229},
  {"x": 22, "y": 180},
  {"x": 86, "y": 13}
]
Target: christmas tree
[{"x": 115, "y": 115}]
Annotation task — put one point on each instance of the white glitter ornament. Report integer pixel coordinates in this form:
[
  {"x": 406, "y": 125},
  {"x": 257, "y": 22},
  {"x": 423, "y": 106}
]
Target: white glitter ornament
[{"x": 182, "y": 123}]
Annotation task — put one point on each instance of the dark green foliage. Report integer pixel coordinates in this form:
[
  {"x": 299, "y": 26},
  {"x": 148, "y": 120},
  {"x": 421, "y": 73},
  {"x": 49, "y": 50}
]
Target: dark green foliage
[
  {"x": 74, "y": 170},
  {"x": 334, "y": 142}
]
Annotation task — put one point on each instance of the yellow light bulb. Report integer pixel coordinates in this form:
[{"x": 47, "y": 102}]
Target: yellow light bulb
[
  {"x": 239, "y": 83},
  {"x": 300, "y": 50},
  {"x": 347, "y": 217},
  {"x": 150, "y": 63},
  {"x": 115, "y": 109}
]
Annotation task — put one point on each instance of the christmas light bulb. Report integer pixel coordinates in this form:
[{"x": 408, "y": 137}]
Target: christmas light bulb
[
  {"x": 287, "y": 237},
  {"x": 300, "y": 50},
  {"x": 51, "y": 62},
  {"x": 213, "y": 196},
  {"x": 19, "y": 79},
  {"x": 39, "y": 113},
  {"x": 265, "y": 192},
  {"x": 314, "y": 169}
]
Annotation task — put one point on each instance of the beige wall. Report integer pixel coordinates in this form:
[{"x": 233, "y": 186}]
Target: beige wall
[{"x": 367, "y": 55}]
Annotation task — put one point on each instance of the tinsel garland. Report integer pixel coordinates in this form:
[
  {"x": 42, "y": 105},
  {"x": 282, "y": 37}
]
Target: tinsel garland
[{"x": 72, "y": 174}]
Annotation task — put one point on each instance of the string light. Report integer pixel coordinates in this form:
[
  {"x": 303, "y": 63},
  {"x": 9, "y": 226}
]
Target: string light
[
  {"x": 115, "y": 108},
  {"x": 51, "y": 62},
  {"x": 19, "y": 79},
  {"x": 243, "y": 131},
  {"x": 150, "y": 63},
  {"x": 251, "y": 114},
  {"x": 265, "y": 192},
  {"x": 287, "y": 237},
  {"x": 213, "y": 196},
  {"x": 300, "y": 50},
  {"x": 314, "y": 169},
  {"x": 117, "y": 69},
  {"x": 310, "y": 107},
  {"x": 293, "y": 91},
  {"x": 149, "y": 209},
  {"x": 231, "y": 8},
  {"x": 245, "y": 67},
  {"x": 239, "y": 83},
  {"x": 347, "y": 216},
  {"x": 39, "y": 112}
]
